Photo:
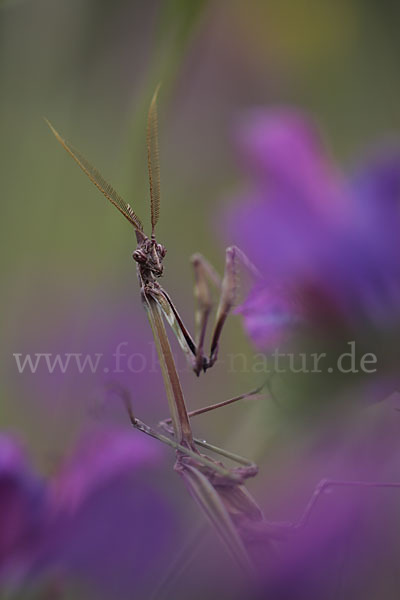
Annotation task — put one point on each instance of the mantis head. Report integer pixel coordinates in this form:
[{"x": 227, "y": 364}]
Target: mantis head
[{"x": 149, "y": 254}]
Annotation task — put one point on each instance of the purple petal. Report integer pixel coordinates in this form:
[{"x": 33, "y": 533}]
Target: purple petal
[
  {"x": 348, "y": 522},
  {"x": 23, "y": 502},
  {"x": 282, "y": 149},
  {"x": 101, "y": 457},
  {"x": 308, "y": 231},
  {"x": 268, "y": 316},
  {"x": 112, "y": 524},
  {"x": 376, "y": 191},
  {"x": 376, "y": 186},
  {"x": 295, "y": 198}
]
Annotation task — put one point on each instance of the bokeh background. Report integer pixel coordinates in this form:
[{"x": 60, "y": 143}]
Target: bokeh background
[{"x": 68, "y": 280}]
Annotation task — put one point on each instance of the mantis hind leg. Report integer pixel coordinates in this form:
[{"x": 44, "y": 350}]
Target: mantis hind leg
[
  {"x": 253, "y": 394},
  {"x": 326, "y": 484},
  {"x": 280, "y": 530}
]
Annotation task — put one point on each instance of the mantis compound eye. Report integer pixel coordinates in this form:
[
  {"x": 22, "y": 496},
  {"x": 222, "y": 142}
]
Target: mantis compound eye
[
  {"x": 139, "y": 256},
  {"x": 161, "y": 250}
]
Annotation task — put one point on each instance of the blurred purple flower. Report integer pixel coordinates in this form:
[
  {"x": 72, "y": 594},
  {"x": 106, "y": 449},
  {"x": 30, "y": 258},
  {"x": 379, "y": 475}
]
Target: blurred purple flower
[
  {"x": 350, "y": 536},
  {"x": 100, "y": 520},
  {"x": 328, "y": 247},
  {"x": 111, "y": 525},
  {"x": 23, "y": 506}
]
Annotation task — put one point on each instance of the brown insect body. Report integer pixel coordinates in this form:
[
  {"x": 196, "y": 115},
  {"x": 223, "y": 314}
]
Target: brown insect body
[
  {"x": 219, "y": 491},
  {"x": 149, "y": 256}
]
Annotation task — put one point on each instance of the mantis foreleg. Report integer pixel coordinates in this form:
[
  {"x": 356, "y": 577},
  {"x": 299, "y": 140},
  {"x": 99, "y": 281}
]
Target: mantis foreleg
[{"x": 205, "y": 273}]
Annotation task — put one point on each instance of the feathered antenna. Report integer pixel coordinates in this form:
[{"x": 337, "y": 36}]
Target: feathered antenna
[
  {"x": 153, "y": 161},
  {"x": 100, "y": 182}
]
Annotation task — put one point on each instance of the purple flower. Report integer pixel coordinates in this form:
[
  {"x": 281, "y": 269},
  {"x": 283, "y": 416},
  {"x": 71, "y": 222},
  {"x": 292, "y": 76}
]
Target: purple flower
[
  {"x": 111, "y": 525},
  {"x": 328, "y": 247},
  {"x": 102, "y": 519},
  {"x": 23, "y": 507},
  {"x": 350, "y": 535}
]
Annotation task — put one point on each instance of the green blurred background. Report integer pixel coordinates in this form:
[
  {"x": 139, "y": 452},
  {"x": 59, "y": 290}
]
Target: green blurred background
[{"x": 91, "y": 67}]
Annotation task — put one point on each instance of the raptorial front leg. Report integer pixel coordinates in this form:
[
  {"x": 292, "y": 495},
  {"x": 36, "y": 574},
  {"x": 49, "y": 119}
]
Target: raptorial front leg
[
  {"x": 226, "y": 302},
  {"x": 203, "y": 272}
]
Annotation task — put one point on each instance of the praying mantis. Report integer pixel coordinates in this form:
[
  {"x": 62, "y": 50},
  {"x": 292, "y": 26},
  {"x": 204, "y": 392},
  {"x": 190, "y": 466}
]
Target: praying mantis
[{"x": 219, "y": 491}]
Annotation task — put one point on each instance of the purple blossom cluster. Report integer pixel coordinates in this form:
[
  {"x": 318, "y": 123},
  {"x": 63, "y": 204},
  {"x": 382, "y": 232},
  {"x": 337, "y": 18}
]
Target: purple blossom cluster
[
  {"x": 327, "y": 245},
  {"x": 99, "y": 519}
]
